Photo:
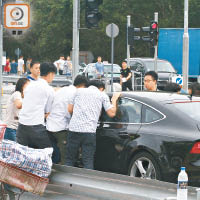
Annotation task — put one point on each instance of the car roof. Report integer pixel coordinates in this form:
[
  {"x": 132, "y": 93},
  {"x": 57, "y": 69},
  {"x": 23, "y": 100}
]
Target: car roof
[
  {"x": 147, "y": 59},
  {"x": 159, "y": 97},
  {"x": 104, "y": 64}
]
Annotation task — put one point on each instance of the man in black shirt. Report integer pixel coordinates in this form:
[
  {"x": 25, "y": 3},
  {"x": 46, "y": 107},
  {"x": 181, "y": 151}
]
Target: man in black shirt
[{"x": 125, "y": 77}]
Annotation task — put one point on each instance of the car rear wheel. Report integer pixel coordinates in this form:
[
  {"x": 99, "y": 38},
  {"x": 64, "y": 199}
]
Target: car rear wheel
[{"x": 143, "y": 165}]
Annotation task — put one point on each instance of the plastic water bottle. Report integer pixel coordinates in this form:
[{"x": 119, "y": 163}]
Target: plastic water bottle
[{"x": 182, "y": 185}]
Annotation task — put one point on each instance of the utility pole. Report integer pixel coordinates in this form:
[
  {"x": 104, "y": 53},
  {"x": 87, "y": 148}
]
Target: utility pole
[
  {"x": 1, "y": 53},
  {"x": 156, "y": 46},
  {"x": 128, "y": 46},
  {"x": 75, "y": 48},
  {"x": 185, "y": 66}
]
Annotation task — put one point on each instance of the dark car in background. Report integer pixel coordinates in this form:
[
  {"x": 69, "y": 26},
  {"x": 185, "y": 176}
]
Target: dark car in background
[
  {"x": 152, "y": 136},
  {"x": 142, "y": 65}
]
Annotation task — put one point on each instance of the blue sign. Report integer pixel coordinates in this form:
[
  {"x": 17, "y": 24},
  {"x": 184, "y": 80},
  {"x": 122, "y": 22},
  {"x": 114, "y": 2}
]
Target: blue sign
[{"x": 179, "y": 81}]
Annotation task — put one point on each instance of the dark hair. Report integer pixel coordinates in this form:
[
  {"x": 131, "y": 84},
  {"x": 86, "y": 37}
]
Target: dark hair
[
  {"x": 80, "y": 80},
  {"x": 20, "y": 84},
  {"x": 46, "y": 68},
  {"x": 172, "y": 87},
  {"x": 33, "y": 63},
  {"x": 97, "y": 83},
  {"x": 153, "y": 74},
  {"x": 124, "y": 61},
  {"x": 195, "y": 87}
]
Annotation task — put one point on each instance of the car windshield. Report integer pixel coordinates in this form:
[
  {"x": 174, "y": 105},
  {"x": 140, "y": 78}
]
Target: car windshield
[
  {"x": 161, "y": 66},
  {"x": 189, "y": 108}
]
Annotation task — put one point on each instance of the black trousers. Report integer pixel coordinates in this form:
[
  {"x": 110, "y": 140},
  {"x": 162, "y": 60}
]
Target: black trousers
[
  {"x": 87, "y": 142},
  {"x": 60, "y": 72},
  {"x": 33, "y": 136},
  {"x": 58, "y": 141},
  {"x": 127, "y": 84}
]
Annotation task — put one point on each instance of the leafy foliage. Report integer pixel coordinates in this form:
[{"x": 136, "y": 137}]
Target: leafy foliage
[{"x": 51, "y": 29}]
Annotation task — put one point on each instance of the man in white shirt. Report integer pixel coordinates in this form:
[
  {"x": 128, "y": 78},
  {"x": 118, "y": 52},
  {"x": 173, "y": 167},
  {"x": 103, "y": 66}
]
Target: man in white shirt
[
  {"x": 37, "y": 102},
  {"x": 59, "y": 117},
  {"x": 60, "y": 64},
  {"x": 20, "y": 68}
]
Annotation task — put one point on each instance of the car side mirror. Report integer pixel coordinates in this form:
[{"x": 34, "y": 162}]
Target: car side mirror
[{"x": 139, "y": 68}]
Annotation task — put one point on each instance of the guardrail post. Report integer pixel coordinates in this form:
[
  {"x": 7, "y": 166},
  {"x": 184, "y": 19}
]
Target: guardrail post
[{"x": 198, "y": 193}]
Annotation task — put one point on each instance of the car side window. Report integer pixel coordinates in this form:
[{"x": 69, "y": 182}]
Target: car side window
[
  {"x": 136, "y": 66},
  {"x": 128, "y": 111},
  {"x": 151, "y": 115}
]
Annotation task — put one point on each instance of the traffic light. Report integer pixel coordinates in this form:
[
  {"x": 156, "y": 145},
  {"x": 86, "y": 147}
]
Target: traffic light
[
  {"x": 152, "y": 31},
  {"x": 92, "y": 14},
  {"x": 132, "y": 36}
]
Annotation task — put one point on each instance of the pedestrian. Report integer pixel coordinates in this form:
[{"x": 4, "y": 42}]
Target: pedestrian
[
  {"x": 126, "y": 77},
  {"x": 150, "y": 81},
  {"x": 194, "y": 89},
  {"x": 34, "y": 70},
  {"x": 28, "y": 65},
  {"x": 13, "y": 67},
  {"x": 37, "y": 102},
  {"x": 68, "y": 66},
  {"x": 59, "y": 117},
  {"x": 86, "y": 107},
  {"x": 12, "y": 109},
  {"x": 172, "y": 87},
  {"x": 7, "y": 67},
  {"x": 20, "y": 68},
  {"x": 99, "y": 67},
  {"x": 60, "y": 64}
]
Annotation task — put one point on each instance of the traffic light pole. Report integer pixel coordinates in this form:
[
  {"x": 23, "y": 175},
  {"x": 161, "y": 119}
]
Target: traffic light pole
[
  {"x": 128, "y": 46},
  {"x": 185, "y": 48},
  {"x": 1, "y": 53},
  {"x": 75, "y": 48},
  {"x": 156, "y": 46}
]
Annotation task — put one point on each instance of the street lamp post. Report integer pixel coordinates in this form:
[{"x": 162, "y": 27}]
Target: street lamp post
[
  {"x": 185, "y": 66},
  {"x": 75, "y": 48}
]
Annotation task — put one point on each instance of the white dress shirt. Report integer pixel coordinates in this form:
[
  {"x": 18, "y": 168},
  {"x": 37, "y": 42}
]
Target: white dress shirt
[
  {"x": 59, "y": 117},
  {"x": 38, "y": 99}
]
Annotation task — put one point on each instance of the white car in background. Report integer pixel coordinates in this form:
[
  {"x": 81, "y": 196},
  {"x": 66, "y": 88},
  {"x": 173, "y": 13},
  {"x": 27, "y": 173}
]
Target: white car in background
[{"x": 90, "y": 71}]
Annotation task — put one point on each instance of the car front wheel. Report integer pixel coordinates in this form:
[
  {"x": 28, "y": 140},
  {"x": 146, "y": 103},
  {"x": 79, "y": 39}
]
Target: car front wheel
[{"x": 143, "y": 165}]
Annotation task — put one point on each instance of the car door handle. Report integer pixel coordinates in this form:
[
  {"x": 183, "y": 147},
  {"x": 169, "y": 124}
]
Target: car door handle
[{"x": 124, "y": 135}]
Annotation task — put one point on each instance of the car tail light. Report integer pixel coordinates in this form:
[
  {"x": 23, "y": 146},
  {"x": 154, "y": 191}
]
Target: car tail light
[{"x": 196, "y": 148}]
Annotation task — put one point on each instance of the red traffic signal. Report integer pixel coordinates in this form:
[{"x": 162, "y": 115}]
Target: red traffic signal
[{"x": 154, "y": 25}]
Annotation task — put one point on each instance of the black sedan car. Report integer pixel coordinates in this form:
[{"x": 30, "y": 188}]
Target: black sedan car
[{"x": 152, "y": 136}]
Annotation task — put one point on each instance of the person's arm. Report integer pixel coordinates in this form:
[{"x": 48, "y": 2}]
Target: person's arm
[
  {"x": 70, "y": 108},
  {"x": 17, "y": 100},
  {"x": 49, "y": 102},
  {"x": 71, "y": 103},
  {"x": 18, "y": 103},
  {"x": 95, "y": 66},
  {"x": 112, "y": 111},
  {"x": 46, "y": 115},
  {"x": 121, "y": 79},
  {"x": 129, "y": 76}
]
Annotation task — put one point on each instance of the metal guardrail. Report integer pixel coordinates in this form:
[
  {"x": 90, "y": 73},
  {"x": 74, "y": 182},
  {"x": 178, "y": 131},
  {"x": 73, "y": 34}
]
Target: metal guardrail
[
  {"x": 58, "y": 80},
  {"x": 71, "y": 183}
]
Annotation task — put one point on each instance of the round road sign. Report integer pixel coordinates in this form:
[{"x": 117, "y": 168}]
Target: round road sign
[{"x": 112, "y": 30}]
